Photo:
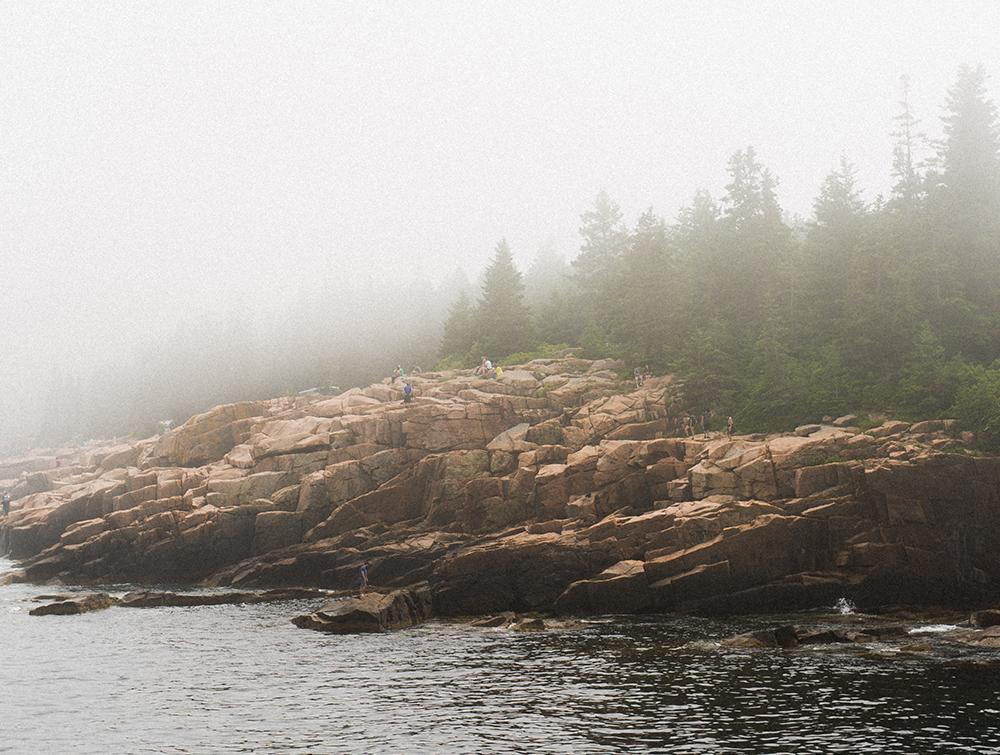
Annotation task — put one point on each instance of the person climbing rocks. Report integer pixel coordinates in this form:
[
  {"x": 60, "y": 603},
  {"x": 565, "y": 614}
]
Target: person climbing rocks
[
  {"x": 729, "y": 426},
  {"x": 363, "y": 578},
  {"x": 407, "y": 393},
  {"x": 706, "y": 419},
  {"x": 6, "y": 503},
  {"x": 687, "y": 423}
]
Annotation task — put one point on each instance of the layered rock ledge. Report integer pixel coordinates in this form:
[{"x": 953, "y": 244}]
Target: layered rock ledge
[{"x": 558, "y": 488}]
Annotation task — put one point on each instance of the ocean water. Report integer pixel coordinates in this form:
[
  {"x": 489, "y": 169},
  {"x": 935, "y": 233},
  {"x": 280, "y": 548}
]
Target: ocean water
[{"x": 241, "y": 679}]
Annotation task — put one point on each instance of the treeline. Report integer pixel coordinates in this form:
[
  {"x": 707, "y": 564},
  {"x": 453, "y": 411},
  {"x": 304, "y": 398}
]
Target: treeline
[{"x": 889, "y": 305}]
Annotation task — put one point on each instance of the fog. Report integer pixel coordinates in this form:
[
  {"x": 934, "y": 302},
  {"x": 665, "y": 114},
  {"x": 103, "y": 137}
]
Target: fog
[{"x": 302, "y": 180}]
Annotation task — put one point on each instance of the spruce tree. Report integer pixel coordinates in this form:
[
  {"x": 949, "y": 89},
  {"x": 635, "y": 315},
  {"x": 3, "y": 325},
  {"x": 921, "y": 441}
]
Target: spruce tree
[
  {"x": 503, "y": 321},
  {"x": 604, "y": 242},
  {"x": 458, "y": 328},
  {"x": 907, "y": 190},
  {"x": 970, "y": 152}
]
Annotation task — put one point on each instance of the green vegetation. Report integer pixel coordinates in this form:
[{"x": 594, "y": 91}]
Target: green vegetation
[{"x": 890, "y": 305}]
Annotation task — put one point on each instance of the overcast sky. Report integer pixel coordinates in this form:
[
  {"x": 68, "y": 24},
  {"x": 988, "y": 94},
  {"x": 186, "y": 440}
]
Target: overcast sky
[{"x": 163, "y": 160}]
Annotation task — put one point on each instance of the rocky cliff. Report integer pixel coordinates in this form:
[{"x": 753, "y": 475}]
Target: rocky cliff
[{"x": 557, "y": 488}]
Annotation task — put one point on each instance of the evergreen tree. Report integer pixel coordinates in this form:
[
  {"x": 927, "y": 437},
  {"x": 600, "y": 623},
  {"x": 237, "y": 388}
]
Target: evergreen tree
[
  {"x": 458, "y": 336},
  {"x": 604, "y": 242},
  {"x": 751, "y": 199},
  {"x": 960, "y": 274},
  {"x": 970, "y": 153},
  {"x": 547, "y": 275},
  {"x": 839, "y": 203},
  {"x": 641, "y": 315},
  {"x": 907, "y": 190},
  {"x": 503, "y": 320}
]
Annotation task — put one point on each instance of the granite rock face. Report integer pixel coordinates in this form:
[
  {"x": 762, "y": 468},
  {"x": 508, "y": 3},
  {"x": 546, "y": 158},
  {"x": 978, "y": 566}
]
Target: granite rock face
[{"x": 558, "y": 488}]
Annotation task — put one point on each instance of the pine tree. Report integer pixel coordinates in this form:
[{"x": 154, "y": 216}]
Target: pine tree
[
  {"x": 751, "y": 197},
  {"x": 503, "y": 320},
  {"x": 604, "y": 241},
  {"x": 970, "y": 152},
  {"x": 458, "y": 336},
  {"x": 908, "y": 188},
  {"x": 839, "y": 203}
]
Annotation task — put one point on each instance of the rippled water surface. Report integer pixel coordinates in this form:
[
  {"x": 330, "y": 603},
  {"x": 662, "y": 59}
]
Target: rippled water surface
[{"x": 242, "y": 679}]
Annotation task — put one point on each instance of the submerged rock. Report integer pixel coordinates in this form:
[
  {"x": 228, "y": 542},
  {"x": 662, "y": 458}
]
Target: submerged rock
[
  {"x": 784, "y": 637},
  {"x": 374, "y": 612}
]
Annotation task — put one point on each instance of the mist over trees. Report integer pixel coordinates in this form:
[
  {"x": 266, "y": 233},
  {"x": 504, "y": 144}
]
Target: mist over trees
[
  {"x": 886, "y": 305},
  {"x": 890, "y": 305}
]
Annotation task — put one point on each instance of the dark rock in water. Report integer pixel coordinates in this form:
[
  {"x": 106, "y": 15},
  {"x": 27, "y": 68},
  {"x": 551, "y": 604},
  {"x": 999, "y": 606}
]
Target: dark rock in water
[
  {"x": 150, "y": 599},
  {"x": 373, "y": 612},
  {"x": 824, "y": 637},
  {"x": 784, "y": 637},
  {"x": 73, "y": 606},
  {"x": 984, "y": 619},
  {"x": 499, "y": 620}
]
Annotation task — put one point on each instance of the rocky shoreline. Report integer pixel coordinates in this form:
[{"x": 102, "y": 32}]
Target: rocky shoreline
[{"x": 559, "y": 489}]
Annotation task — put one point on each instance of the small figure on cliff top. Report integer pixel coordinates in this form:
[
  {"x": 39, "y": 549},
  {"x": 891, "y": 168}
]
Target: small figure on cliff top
[
  {"x": 396, "y": 373},
  {"x": 637, "y": 376},
  {"x": 729, "y": 426},
  {"x": 498, "y": 372},
  {"x": 363, "y": 578},
  {"x": 646, "y": 373},
  {"x": 407, "y": 393},
  {"x": 6, "y": 503},
  {"x": 481, "y": 369},
  {"x": 706, "y": 418}
]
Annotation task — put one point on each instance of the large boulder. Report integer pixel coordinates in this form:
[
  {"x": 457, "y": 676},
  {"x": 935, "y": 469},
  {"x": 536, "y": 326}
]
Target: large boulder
[{"x": 374, "y": 612}]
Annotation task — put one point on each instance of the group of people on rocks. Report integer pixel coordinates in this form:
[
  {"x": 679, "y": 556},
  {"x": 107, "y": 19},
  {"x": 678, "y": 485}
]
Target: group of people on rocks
[
  {"x": 688, "y": 424},
  {"x": 641, "y": 375},
  {"x": 487, "y": 369},
  {"x": 400, "y": 374}
]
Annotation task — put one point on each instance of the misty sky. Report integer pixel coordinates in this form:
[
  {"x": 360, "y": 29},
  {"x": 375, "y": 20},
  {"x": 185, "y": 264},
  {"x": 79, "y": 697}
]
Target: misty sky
[{"x": 165, "y": 161}]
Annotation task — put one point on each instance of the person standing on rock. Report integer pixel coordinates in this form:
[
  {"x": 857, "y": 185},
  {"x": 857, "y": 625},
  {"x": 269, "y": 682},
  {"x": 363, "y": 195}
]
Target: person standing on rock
[
  {"x": 729, "y": 426},
  {"x": 706, "y": 418},
  {"x": 363, "y": 578},
  {"x": 396, "y": 373},
  {"x": 407, "y": 393},
  {"x": 6, "y": 503},
  {"x": 637, "y": 375}
]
